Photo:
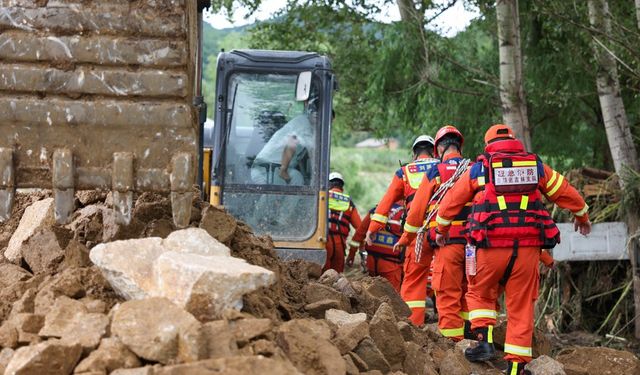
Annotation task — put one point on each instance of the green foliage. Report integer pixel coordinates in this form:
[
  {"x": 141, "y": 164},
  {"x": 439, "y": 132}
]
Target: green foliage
[{"x": 367, "y": 172}]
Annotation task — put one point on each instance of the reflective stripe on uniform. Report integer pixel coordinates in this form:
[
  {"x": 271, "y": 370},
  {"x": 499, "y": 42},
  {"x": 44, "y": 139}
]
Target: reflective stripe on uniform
[
  {"x": 502, "y": 204},
  {"x": 516, "y": 163},
  {"x": 464, "y": 315},
  {"x": 482, "y": 313},
  {"x": 556, "y": 186},
  {"x": 582, "y": 211},
  {"x": 481, "y": 181},
  {"x": 433, "y": 224},
  {"x": 452, "y": 332},
  {"x": 442, "y": 221},
  {"x": 514, "y": 369},
  {"x": 490, "y": 334},
  {"x": 524, "y": 202},
  {"x": 416, "y": 304},
  {"x": 518, "y": 350},
  {"x": 354, "y": 243},
  {"x": 552, "y": 179},
  {"x": 379, "y": 218},
  {"x": 410, "y": 228}
]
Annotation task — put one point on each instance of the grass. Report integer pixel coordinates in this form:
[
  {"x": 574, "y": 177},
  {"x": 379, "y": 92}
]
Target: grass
[{"x": 367, "y": 172}]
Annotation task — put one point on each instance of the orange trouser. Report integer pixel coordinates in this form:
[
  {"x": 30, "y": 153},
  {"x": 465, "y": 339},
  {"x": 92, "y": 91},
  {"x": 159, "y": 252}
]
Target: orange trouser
[
  {"x": 389, "y": 270},
  {"x": 450, "y": 285},
  {"x": 414, "y": 285},
  {"x": 335, "y": 253},
  {"x": 521, "y": 292}
]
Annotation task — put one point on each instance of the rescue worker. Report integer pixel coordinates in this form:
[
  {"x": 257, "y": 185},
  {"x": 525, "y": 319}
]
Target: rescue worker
[
  {"x": 448, "y": 278},
  {"x": 381, "y": 259},
  {"x": 342, "y": 214},
  {"x": 509, "y": 225},
  {"x": 403, "y": 187}
]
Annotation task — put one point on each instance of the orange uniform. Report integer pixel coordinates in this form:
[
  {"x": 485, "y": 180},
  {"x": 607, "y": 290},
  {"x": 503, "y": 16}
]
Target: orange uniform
[
  {"x": 493, "y": 262},
  {"x": 448, "y": 279},
  {"x": 378, "y": 263},
  {"x": 342, "y": 214},
  {"x": 403, "y": 187}
]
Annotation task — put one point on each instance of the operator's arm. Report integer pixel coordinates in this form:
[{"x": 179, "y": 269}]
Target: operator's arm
[
  {"x": 417, "y": 212},
  {"x": 287, "y": 156},
  {"x": 559, "y": 191},
  {"x": 460, "y": 194},
  {"x": 394, "y": 193}
]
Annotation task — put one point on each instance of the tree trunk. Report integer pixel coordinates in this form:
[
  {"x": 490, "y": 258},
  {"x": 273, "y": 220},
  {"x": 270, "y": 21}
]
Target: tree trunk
[
  {"x": 623, "y": 151},
  {"x": 638, "y": 12},
  {"x": 408, "y": 11},
  {"x": 619, "y": 136},
  {"x": 514, "y": 104}
]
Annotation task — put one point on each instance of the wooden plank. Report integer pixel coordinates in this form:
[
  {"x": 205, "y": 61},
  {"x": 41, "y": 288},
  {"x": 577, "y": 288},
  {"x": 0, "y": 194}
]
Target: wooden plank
[{"x": 96, "y": 81}]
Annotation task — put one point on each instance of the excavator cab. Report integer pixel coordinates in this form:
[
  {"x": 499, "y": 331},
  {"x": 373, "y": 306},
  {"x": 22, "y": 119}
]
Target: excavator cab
[{"x": 270, "y": 148}]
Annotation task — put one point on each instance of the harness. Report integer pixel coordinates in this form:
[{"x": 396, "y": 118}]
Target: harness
[
  {"x": 339, "y": 213},
  {"x": 412, "y": 175},
  {"x": 508, "y": 210},
  {"x": 384, "y": 240}
]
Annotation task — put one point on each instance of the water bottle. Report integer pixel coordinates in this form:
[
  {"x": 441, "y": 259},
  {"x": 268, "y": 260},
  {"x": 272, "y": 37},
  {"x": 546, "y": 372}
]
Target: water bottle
[{"x": 470, "y": 259}]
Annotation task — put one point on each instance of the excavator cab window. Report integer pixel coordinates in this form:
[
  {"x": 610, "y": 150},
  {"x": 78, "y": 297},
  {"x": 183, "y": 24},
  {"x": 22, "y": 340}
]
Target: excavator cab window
[{"x": 267, "y": 128}]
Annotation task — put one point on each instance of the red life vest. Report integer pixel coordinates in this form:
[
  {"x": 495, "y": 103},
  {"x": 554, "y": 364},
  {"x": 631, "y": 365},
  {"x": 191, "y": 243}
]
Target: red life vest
[
  {"x": 383, "y": 240},
  {"x": 339, "y": 213},
  {"x": 509, "y": 209},
  {"x": 457, "y": 233},
  {"x": 412, "y": 175}
]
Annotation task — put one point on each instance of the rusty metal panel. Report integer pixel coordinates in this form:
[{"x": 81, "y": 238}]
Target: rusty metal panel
[{"x": 98, "y": 94}]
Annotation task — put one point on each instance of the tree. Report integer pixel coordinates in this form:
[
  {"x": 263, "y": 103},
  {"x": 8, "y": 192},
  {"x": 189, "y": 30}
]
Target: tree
[
  {"x": 514, "y": 104},
  {"x": 638, "y": 12},
  {"x": 623, "y": 150}
]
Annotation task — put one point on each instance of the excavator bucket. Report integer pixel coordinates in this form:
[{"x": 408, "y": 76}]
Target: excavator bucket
[{"x": 100, "y": 95}]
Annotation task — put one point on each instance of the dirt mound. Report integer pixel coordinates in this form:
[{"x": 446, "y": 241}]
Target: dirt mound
[{"x": 306, "y": 322}]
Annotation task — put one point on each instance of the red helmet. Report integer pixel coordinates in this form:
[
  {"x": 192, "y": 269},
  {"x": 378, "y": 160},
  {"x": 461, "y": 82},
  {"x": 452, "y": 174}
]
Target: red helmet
[{"x": 446, "y": 130}]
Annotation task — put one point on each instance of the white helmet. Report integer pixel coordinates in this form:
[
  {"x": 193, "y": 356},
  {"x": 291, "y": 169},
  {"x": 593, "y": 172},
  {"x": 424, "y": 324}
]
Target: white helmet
[
  {"x": 423, "y": 138},
  {"x": 336, "y": 176}
]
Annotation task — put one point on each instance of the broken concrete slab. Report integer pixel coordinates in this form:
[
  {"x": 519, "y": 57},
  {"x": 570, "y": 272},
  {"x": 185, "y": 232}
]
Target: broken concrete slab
[
  {"x": 195, "y": 241},
  {"x": 339, "y": 318},
  {"x": 206, "y": 286},
  {"x": 128, "y": 265},
  {"x": 38, "y": 215}
]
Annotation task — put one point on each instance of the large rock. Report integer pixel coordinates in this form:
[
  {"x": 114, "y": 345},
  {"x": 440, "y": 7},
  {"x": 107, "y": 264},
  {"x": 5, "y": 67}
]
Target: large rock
[
  {"x": 5, "y": 357},
  {"x": 585, "y": 360},
  {"x": 157, "y": 330},
  {"x": 454, "y": 363},
  {"x": 416, "y": 362},
  {"x": 110, "y": 356},
  {"x": 339, "y": 318},
  {"x": 350, "y": 335},
  {"x": 128, "y": 265},
  {"x": 207, "y": 285},
  {"x": 218, "y": 224},
  {"x": 52, "y": 357},
  {"x": 372, "y": 356},
  {"x": 220, "y": 339},
  {"x": 376, "y": 290},
  {"x": 11, "y": 274},
  {"x": 70, "y": 320},
  {"x": 387, "y": 336},
  {"x": 239, "y": 365},
  {"x": 545, "y": 365},
  {"x": 316, "y": 292},
  {"x": 38, "y": 215},
  {"x": 43, "y": 252},
  {"x": 195, "y": 241},
  {"x": 245, "y": 330},
  {"x": 306, "y": 344}
]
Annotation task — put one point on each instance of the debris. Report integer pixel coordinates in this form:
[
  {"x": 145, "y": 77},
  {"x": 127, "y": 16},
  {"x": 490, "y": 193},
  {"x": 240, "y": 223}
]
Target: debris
[
  {"x": 38, "y": 215},
  {"x": 52, "y": 357},
  {"x": 545, "y": 365}
]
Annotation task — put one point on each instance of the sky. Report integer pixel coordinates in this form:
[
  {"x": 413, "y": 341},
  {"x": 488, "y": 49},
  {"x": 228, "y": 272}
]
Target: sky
[{"x": 452, "y": 21}]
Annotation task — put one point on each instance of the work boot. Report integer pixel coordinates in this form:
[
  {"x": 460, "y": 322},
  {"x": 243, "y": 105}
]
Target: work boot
[
  {"x": 484, "y": 351},
  {"x": 468, "y": 333},
  {"x": 517, "y": 368}
]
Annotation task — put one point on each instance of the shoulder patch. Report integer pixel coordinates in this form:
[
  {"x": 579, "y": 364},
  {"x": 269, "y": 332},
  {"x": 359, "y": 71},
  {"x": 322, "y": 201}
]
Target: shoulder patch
[
  {"x": 433, "y": 173},
  {"x": 400, "y": 173},
  {"x": 476, "y": 171}
]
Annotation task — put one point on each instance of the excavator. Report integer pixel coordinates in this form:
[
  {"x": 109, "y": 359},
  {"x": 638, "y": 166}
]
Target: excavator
[{"x": 108, "y": 95}]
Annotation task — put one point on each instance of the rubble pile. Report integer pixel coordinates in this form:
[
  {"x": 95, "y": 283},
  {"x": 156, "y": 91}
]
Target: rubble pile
[{"x": 93, "y": 297}]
